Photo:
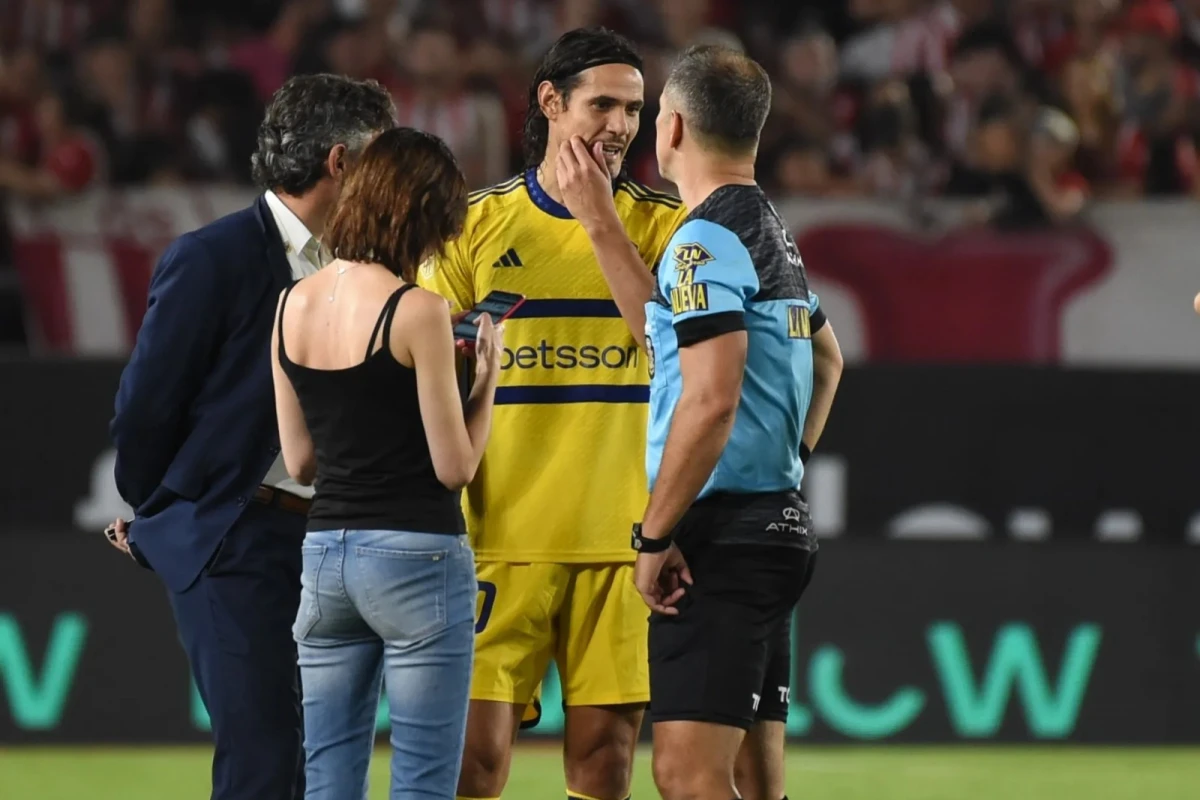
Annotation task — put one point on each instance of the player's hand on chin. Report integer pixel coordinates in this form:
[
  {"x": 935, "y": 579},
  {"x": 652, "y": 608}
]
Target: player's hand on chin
[
  {"x": 661, "y": 578},
  {"x": 586, "y": 185}
]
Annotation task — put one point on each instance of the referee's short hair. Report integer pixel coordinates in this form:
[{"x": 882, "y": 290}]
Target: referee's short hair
[{"x": 724, "y": 95}]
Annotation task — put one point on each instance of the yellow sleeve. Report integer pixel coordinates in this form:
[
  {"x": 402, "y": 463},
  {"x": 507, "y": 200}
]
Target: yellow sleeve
[
  {"x": 668, "y": 223},
  {"x": 452, "y": 275}
]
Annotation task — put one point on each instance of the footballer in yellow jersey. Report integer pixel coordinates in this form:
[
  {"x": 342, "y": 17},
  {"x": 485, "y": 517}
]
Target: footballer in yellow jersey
[
  {"x": 562, "y": 473},
  {"x": 563, "y": 477}
]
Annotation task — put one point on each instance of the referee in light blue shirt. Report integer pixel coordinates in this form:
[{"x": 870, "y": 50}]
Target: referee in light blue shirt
[{"x": 744, "y": 367}]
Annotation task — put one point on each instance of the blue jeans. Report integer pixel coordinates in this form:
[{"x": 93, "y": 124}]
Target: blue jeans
[{"x": 392, "y": 603}]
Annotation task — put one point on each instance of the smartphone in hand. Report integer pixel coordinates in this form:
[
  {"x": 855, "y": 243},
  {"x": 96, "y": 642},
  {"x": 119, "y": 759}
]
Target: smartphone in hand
[{"x": 500, "y": 305}]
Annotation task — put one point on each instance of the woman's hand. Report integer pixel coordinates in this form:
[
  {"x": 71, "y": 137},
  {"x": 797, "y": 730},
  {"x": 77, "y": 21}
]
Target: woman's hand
[{"x": 489, "y": 348}]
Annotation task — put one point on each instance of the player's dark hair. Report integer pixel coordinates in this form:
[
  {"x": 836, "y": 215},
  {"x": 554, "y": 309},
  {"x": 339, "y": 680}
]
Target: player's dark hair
[
  {"x": 404, "y": 199},
  {"x": 563, "y": 65},
  {"x": 310, "y": 115},
  {"x": 724, "y": 95}
]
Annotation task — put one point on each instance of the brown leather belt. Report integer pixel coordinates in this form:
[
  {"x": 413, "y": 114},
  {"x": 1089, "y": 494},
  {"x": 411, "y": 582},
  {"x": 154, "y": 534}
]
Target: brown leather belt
[{"x": 284, "y": 501}]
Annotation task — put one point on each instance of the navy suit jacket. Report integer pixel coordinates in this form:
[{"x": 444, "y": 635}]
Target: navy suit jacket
[{"x": 195, "y": 428}]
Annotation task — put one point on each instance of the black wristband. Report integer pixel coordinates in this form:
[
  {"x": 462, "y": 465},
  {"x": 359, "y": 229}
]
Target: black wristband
[
  {"x": 644, "y": 545},
  {"x": 805, "y": 453}
]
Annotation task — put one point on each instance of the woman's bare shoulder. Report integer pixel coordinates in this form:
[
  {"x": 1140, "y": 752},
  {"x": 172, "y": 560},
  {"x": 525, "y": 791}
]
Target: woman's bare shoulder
[{"x": 427, "y": 304}]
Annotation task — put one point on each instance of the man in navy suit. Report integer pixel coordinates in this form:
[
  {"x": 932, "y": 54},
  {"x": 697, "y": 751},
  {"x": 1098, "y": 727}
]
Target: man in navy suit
[{"x": 198, "y": 445}]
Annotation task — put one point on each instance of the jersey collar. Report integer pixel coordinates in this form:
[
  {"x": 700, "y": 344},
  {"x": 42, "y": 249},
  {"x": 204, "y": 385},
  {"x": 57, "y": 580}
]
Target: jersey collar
[{"x": 547, "y": 203}]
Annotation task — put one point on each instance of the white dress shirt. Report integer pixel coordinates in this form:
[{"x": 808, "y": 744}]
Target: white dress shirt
[{"x": 305, "y": 256}]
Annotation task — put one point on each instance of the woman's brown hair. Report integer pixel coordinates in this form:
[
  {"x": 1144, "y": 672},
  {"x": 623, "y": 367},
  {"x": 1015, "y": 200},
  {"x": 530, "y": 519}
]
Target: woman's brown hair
[{"x": 403, "y": 200}]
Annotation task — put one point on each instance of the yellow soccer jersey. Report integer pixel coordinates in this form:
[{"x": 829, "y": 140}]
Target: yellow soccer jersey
[{"x": 563, "y": 477}]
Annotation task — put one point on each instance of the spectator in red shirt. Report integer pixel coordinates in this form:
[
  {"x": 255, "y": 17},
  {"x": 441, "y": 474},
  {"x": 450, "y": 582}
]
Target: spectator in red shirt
[
  {"x": 69, "y": 158},
  {"x": 1060, "y": 189},
  {"x": 1032, "y": 180},
  {"x": 1153, "y": 154}
]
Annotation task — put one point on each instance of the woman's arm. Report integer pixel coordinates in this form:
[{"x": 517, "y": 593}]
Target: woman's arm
[
  {"x": 456, "y": 435},
  {"x": 299, "y": 455}
]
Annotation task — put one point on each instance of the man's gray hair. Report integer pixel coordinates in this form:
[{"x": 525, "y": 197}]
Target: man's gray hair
[
  {"x": 724, "y": 96},
  {"x": 308, "y": 117}
]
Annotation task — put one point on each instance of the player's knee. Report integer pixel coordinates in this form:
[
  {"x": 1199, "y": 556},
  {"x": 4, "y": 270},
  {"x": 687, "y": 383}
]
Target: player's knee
[
  {"x": 603, "y": 770},
  {"x": 679, "y": 777},
  {"x": 484, "y": 769},
  {"x": 674, "y": 777}
]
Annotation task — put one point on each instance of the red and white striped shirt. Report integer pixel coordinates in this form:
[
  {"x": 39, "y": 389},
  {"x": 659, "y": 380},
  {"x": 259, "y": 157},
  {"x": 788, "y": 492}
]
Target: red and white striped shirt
[
  {"x": 921, "y": 43},
  {"x": 532, "y": 24},
  {"x": 51, "y": 25},
  {"x": 472, "y": 125}
]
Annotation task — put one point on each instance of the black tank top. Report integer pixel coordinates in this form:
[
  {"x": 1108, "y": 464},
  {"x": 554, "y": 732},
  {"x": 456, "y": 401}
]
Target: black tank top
[{"x": 374, "y": 471}]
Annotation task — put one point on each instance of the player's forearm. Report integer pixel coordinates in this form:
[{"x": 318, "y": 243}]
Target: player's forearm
[
  {"x": 699, "y": 430},
  {"x": 630, "y": 282}
]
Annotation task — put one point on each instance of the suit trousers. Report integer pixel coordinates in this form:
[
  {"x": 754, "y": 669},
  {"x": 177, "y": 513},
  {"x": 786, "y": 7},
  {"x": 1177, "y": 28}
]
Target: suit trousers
[{"x": 235, "y": 623}]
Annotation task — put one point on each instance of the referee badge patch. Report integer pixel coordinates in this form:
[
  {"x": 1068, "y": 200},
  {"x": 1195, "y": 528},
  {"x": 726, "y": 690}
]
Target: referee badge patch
[
  {"x": 798, "y": 324},
  {"x": 690, "y": 256}
]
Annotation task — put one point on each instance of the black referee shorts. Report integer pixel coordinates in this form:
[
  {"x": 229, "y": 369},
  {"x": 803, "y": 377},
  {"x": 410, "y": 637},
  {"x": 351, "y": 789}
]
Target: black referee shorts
[{"x": 726, "y": 657}]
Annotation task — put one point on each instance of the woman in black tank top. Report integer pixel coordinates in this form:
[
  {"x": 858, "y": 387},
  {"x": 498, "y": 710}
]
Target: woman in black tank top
[{"x": 369, "y": 408}]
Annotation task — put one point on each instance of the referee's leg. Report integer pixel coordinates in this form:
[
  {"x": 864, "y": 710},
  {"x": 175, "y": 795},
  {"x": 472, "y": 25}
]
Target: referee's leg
[
  {"x": 709, "y": 666},
  {"x": 759, "y": 771},
  {"x": 694, "y": 760}
]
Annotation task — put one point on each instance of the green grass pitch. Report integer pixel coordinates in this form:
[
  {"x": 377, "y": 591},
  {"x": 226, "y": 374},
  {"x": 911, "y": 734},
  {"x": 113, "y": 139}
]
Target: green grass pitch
[{"x": 814, "y": 773}]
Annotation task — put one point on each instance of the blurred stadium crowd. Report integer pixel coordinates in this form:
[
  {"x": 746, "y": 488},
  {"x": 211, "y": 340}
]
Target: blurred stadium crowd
[{"x": 1058, "y": 99}]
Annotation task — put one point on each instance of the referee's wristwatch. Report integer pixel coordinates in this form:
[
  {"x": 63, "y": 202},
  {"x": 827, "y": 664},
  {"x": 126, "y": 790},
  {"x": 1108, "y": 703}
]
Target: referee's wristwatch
[{"x": 644, "y": 545}]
